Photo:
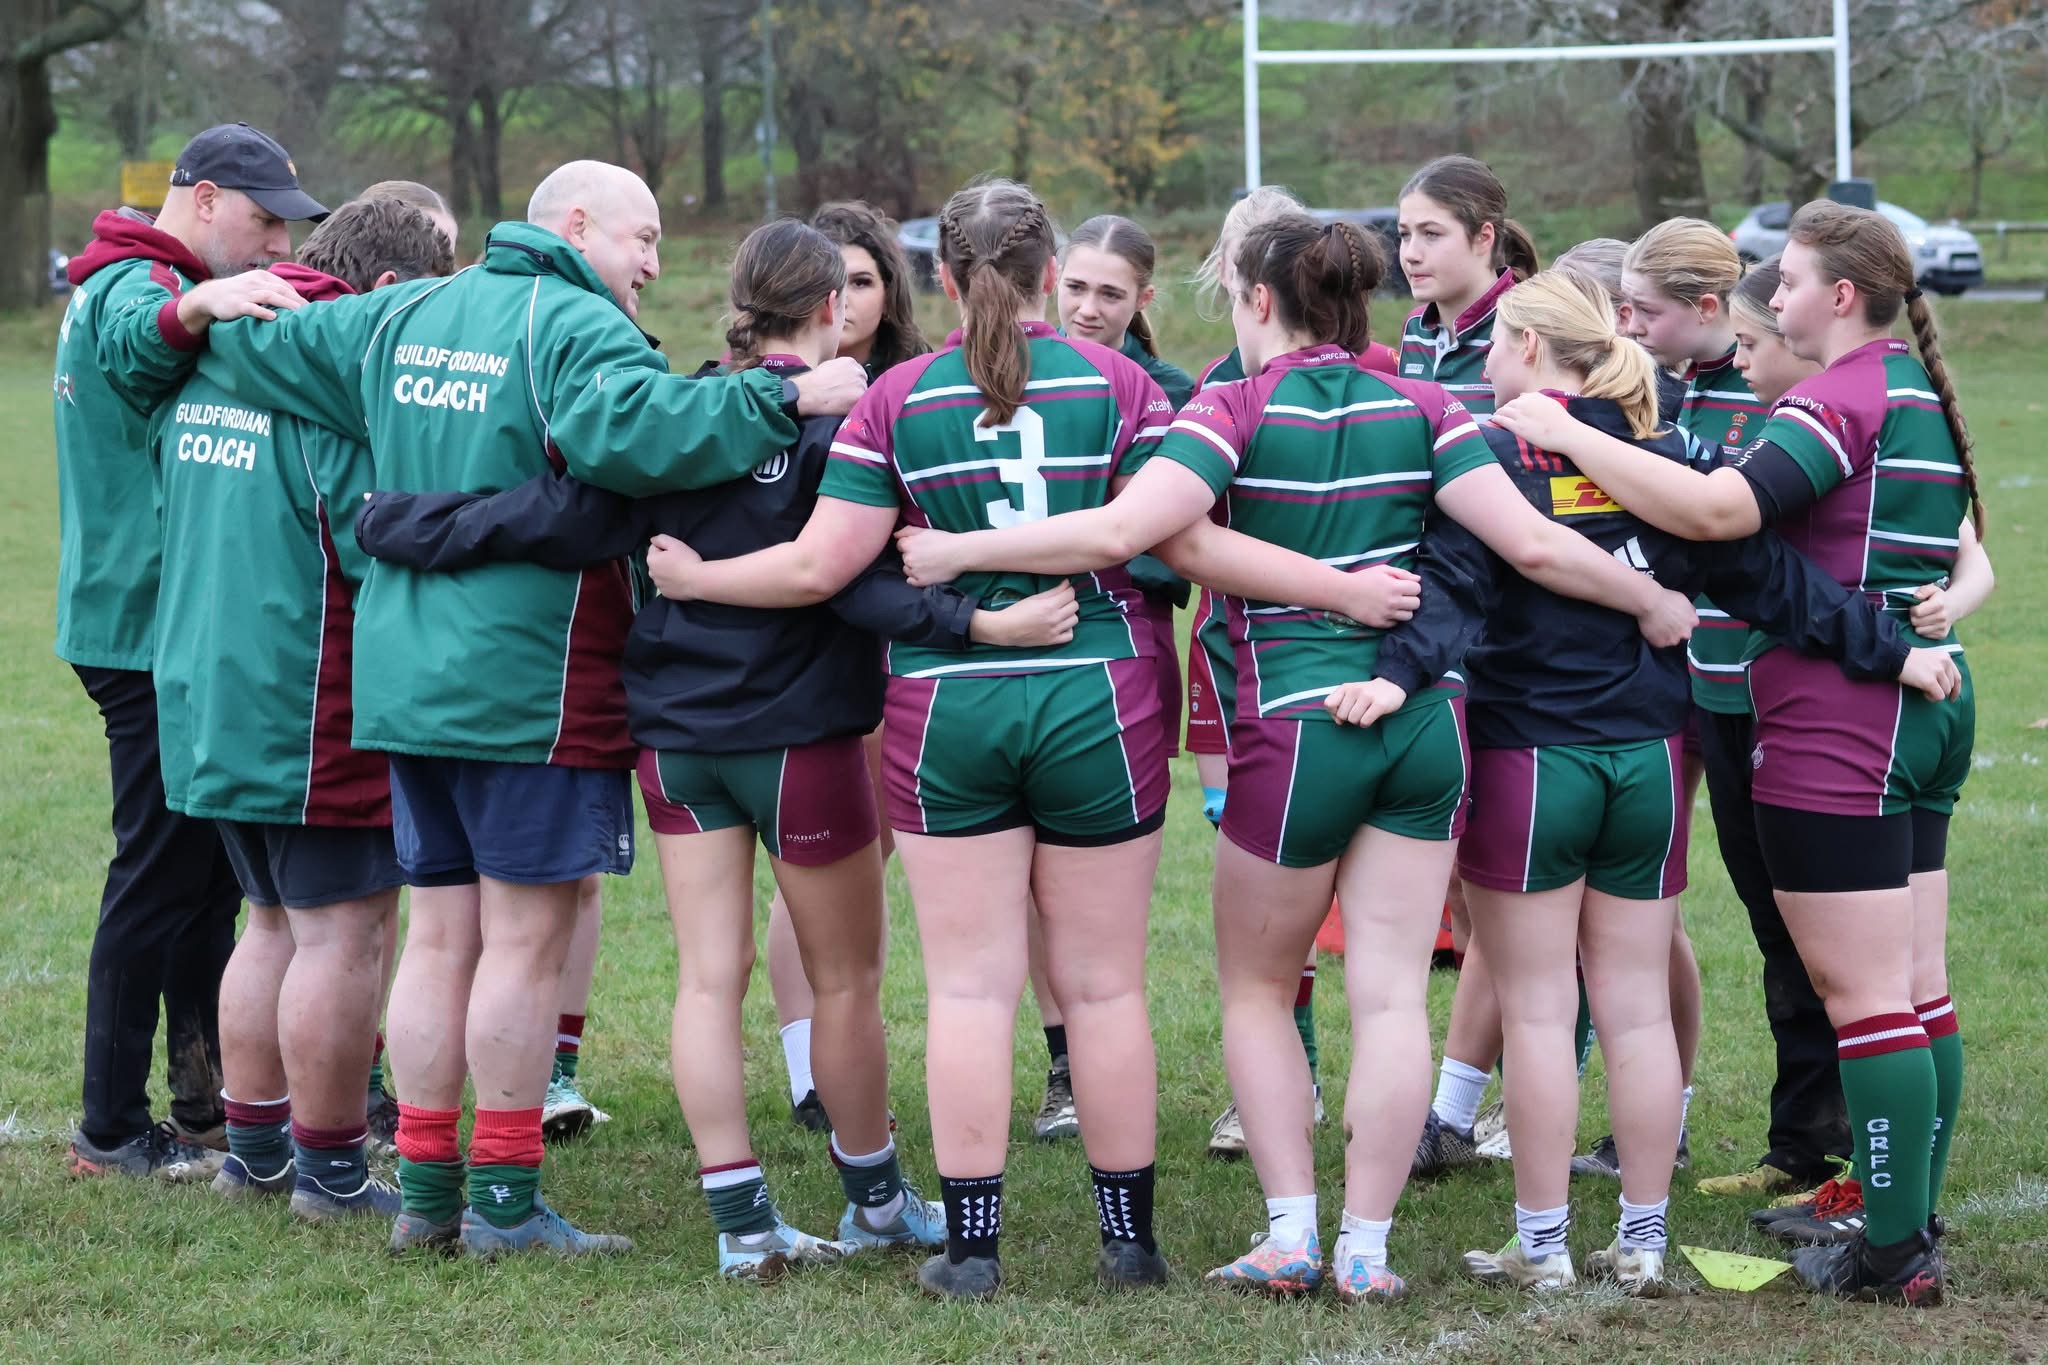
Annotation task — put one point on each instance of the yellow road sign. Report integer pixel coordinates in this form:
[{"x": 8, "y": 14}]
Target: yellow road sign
[{"x": 143, "y": 183}]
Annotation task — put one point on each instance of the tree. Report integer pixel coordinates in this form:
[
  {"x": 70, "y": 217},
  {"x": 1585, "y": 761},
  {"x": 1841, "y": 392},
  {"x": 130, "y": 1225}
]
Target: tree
[
  {"x": 645, "y": 52},
  {"x": 32, "y": 33},
  {"x": 1903, "y": 53},
  {"x": 870, "y": 88},
  {"x": 725, "y": 41},
  {"x": 466, "y": 62}
]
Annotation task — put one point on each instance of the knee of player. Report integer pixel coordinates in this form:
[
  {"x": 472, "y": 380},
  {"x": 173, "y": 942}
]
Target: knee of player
[{"x": 851, "y": 982}]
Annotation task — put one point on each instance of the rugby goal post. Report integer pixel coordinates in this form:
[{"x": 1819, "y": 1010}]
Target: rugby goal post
[{"x": 1256, "y": 57}]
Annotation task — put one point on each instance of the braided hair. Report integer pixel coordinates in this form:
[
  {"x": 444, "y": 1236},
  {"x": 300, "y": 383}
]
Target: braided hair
[
  {"x": 1321, "y": 276},
  {"x": 1865, "y": 249},
  {"x": 995, "y": 238}
]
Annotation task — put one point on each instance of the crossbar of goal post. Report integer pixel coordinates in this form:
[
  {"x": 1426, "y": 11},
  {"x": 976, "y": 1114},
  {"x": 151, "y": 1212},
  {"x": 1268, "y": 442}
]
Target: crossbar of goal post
[{"x": 1255, "y": 57}]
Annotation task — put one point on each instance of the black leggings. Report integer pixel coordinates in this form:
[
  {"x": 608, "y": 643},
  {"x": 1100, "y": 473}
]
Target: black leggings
[{"x": 1810, "y": 852}]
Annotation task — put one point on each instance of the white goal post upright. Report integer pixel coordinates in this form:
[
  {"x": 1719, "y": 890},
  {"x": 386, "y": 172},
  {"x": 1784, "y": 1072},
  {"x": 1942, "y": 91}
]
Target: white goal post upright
[{"x": 1255, "y": 57}]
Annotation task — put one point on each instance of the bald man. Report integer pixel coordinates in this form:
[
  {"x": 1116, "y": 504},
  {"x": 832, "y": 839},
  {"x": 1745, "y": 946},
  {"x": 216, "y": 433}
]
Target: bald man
[{"x": 497, "y": 691}]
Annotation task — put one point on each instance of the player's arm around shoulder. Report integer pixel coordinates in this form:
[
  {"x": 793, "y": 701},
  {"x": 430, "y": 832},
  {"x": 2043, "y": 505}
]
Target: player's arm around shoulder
[
  {"x": 622, "y": 420},
  {"x": 141, "y": 347},
  {"x": 311, "y": 362}
]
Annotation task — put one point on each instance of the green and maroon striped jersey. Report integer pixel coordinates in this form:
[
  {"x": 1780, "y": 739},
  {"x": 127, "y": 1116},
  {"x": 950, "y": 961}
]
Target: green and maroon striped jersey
[
  {"x": 1887, "y": 483},
  {"x": 1722, "y": 414},
  {"x": 1227, "y": 368},
  {"x": 1455, "y": 356},
  {"x": 1335, "y": 462},
  {"x": 1212, "y": 625},
  {"x": 255, "y": 609},
  {"x": 916, "y": 441}
]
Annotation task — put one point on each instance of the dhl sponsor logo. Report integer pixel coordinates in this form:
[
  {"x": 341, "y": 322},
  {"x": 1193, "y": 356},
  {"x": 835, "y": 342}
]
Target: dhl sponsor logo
[{"x": 1573, "y": 496}]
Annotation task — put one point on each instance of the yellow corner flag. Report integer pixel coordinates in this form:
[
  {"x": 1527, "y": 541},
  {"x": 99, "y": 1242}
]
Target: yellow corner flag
[{"x": 1726, "y": 1270}]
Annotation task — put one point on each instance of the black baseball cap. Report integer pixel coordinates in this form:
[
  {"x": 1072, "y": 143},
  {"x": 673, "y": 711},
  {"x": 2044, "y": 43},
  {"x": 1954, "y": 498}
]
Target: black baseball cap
[{"x": 235, "y": 156}]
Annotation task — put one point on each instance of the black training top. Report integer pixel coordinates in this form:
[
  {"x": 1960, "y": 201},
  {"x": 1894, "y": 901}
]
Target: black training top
[
  {"x": 1555, "y": 670},
  {"x": 700, "y": 677}
]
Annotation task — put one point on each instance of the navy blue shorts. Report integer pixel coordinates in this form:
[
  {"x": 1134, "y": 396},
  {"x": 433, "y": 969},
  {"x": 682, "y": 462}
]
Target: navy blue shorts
[
  {"x": 455, "y": 819},
  {"x": 304, "y": 867}
]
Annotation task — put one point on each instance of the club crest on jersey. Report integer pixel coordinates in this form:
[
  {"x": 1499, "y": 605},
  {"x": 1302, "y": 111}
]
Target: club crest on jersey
[
  {"x": 1735, "y": 425},
  {"x": 1572, "y": 495},
  {"x": 772, "y": 468}
]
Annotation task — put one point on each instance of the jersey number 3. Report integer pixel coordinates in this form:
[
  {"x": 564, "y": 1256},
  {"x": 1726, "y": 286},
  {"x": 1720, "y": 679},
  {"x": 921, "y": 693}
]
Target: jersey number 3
[{"x": 1024, "y": 471}]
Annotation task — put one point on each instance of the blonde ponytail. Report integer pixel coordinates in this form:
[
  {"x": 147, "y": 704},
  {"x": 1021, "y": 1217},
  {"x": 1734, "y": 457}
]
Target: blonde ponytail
[
  {"x": 1628, "y": 376},
  {"x": 1575, "y": 320}
]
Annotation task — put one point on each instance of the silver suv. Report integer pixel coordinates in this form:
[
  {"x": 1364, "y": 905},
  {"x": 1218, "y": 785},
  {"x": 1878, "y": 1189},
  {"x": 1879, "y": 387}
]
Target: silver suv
[{"x": 1947, "y": 258}]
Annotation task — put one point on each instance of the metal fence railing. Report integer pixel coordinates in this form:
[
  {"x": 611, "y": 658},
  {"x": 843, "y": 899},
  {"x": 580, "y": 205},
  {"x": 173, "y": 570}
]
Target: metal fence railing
[{"x": 2004, "y": 231}]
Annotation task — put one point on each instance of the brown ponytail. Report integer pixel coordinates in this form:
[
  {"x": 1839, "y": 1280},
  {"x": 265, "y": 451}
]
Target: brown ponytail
[
  {"x": 781, "y": 275},
  {"x": 994, "y": 239},
  {"x": 1321, "y": 275},
  {"x": 1575, "y": 320},
  {"x": 1515, "y": 250},
  {"x": 1927, "y": 336},
  {"x": 1865, "y": 249},
  {"x": 1473, "y": 194}
]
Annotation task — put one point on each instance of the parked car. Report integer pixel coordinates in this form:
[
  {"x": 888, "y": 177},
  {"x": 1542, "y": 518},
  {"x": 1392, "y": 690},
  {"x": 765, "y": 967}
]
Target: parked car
[
  {"x": 1945, "y": 256},
  {"x": 919, "y": 238}
]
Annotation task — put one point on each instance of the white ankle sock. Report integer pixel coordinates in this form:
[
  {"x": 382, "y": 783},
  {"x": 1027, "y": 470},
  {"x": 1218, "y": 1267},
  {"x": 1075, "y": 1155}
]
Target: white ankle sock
[
  {"x": 1544, "y": 1232},
  {"x": 1684, "y": 1107},
  {"x": 796, "y": 1057},
  {"x": 1459, "y": 1088},
  {"x": 1291, "y": 1222},
  {"x": 1642, "y": 1226},
  {"x": 1363, "y": 1237}
]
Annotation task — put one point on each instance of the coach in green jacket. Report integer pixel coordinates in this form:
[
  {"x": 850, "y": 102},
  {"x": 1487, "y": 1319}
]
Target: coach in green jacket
[
  {"x": 143, "y": 291},
  {"x": 253, "y": 665},
  {"x": 497, "y": 691}
]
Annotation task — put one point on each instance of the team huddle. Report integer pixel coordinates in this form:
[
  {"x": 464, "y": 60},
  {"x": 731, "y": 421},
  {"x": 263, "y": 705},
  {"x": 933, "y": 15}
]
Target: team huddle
[{"x": 416, "y": 565}]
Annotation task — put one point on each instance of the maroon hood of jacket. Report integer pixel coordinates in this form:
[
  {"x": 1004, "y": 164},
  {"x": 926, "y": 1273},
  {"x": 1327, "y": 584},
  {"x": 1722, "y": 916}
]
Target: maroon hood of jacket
[
  {"x": 124, "y": 234},
  {"x": 315, "y": 286}
]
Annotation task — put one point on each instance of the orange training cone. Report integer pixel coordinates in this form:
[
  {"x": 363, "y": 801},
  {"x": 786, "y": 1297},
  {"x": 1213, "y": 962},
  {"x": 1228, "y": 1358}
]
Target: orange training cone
[{"x": 1330, "y": 938}]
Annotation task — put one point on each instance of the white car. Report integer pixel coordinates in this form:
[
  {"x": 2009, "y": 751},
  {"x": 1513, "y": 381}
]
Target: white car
[{"x": 1947, "y": 258}]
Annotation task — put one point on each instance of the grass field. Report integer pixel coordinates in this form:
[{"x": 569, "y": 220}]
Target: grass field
[{"x": 100, "y": 1271}]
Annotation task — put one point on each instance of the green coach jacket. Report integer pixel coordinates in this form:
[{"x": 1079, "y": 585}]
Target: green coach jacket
[
  {"x": 477, "y": 383},
  {"x": 255, "y": 616},
  {"x": 120, "y": 352}
]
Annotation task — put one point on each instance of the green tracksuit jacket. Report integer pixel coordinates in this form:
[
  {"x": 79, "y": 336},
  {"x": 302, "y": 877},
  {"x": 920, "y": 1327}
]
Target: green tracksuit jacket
[
  {"x": 255, "y": 616},
  {"x": 477, "y": 383},
  {"x": 120, "y": 352}
]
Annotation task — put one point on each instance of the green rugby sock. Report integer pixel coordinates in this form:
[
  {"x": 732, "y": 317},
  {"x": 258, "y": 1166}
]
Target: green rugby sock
[
  {"x": 260, "y": 1134},
  {"x": 1888, "y": 1080},
  {"x": 504, "y": 1165},
  {"x": 738, "y": 1196},
  {"x": 1945, "y": 1044},
  {"x": 874, "y": 1182},
  {"x": 1305, "y": 1017},
  {"x": 504, "y": 1196},
  {"x": 435, "y": 1190},
  {"x": 1582, "y": 1030}
]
